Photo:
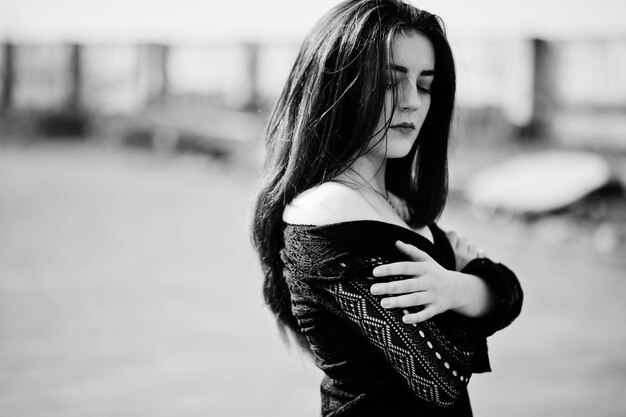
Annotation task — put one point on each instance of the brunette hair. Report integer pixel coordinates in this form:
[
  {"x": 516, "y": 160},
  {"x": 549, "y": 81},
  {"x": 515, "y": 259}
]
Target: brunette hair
[{"x": 327, "y": 113}]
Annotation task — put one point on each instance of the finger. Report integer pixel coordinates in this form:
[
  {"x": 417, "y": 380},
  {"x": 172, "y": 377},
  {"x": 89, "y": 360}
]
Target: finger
[
  {"x": 398, "y": 268},
  {"x": 470, "y": 250},
  {"x": 462, "y": 245},
  {"x": 413, "y": 299},
  {"x": 404, "y": 286},
  {"x": 412, "y": 252},
  {"x": 420, "y": 316}
]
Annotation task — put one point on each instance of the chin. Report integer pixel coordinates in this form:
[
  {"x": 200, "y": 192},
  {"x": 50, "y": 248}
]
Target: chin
[{"x": 399, "y": 148}]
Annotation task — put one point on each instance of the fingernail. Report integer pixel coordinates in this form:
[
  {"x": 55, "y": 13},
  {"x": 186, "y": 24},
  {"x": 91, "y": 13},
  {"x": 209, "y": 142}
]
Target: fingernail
[
  {"x": 384, "y": 303},
  {"x": 374, "y": 289},
  {"x": 406, "y": 319},
  {"x": 376, "y": 271}
]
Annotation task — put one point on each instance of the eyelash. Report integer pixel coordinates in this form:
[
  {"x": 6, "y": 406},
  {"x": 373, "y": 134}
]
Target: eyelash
[{"x": 423, "y": 90}]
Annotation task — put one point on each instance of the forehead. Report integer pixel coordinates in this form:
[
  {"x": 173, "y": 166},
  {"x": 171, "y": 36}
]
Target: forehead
[{"x": 413, "y": 50}]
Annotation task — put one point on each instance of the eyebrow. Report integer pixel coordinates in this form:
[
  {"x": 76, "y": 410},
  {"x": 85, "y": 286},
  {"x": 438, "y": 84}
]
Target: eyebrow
[{"x": 405, "y": 70}]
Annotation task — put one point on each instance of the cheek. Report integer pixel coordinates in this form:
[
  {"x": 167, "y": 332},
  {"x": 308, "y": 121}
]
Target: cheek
[
  {"x": 425, "y": 108},
  {"x": 426, "y": 104},
  {"x": 384, "y": 118},
  {"x": 387, "y": 108}
]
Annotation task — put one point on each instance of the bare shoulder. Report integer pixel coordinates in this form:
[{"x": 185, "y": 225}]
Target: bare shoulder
[{"x": 329, "y": 203}]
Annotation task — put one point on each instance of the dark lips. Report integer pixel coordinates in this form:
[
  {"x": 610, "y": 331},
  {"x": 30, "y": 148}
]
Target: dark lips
[{"x": 404, "y": 126}]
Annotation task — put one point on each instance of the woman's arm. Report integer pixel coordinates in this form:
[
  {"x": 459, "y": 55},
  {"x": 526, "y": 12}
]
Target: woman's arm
[
  {"x": 435, "y": 359},
  {"x": 423, "y": 355},
  {"x": 484, "y": 290},
  {"x": 433, "y": 287},
  {"x": 479, "y": 298}
]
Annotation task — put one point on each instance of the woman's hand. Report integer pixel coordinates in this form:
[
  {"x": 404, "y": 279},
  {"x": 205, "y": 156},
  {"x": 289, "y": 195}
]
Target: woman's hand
[
  {"x": 430, "y": 285},
  {"x": 464, "y": 250}
]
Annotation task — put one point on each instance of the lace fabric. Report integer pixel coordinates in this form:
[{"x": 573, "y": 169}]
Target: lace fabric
[{"x": 329, "y": 273}]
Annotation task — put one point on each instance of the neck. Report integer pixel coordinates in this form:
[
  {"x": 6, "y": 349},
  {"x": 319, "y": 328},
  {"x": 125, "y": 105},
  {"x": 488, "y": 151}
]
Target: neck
[{"x": 368, "y": 172}]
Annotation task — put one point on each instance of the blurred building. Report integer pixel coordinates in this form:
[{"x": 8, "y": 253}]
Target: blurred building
[{"x": 571, "y": 91}]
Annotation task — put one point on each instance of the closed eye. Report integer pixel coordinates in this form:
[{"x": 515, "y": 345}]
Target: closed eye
[{"x": 424, "y": 90}]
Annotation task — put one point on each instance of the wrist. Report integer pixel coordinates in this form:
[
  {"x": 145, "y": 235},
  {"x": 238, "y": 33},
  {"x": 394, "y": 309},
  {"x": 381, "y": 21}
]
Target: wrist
[
  {"x": 460, "y": 300},
  {"x": 473, "y": 296}
]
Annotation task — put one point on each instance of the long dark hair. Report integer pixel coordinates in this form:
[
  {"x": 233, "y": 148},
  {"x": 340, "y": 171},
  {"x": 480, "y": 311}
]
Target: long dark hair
[{"x": 327, "y": 113}]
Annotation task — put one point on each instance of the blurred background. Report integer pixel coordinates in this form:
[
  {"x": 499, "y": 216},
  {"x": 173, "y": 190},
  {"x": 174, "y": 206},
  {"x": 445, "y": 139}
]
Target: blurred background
[{"x": 129, "y": 156}]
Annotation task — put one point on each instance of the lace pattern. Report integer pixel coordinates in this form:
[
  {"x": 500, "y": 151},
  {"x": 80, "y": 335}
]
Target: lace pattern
[{"x": 435, "y": 358}]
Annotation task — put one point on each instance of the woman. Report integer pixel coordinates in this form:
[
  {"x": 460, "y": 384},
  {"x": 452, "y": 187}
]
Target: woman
[{"x": 393, "y": 310}]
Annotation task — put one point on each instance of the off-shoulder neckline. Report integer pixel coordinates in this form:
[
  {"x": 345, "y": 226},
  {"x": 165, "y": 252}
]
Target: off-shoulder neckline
[
  {"x": 439, "y": 248},
  {"x": 432, "y": 227}
]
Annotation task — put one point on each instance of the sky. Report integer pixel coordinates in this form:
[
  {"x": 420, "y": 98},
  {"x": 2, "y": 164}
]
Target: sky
[{"x": 184, "y": 21}]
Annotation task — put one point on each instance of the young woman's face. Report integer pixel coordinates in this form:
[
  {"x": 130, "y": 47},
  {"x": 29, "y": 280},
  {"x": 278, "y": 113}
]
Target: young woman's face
[{"x": 410, "y": 75}]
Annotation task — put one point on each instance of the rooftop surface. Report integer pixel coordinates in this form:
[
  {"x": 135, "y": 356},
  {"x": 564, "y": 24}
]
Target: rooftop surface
[{"x": 128, "y": 287}]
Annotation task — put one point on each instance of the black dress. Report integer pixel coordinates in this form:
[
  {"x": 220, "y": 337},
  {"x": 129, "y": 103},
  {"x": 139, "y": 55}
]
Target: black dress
[{"x": 374, "y": 364}]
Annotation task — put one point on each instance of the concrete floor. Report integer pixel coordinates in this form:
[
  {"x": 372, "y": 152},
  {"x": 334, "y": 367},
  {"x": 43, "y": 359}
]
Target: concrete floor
[{"x": 128, "y": 287}]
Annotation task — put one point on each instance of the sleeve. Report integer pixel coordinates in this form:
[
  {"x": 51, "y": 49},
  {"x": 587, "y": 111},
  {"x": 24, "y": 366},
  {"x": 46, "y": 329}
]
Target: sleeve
[
  {"x": 434, "y": 366},
  {"x": 508, "y": 289}
]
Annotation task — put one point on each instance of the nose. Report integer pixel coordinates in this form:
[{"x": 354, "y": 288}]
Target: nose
[{"x": 409, "y": 99}]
